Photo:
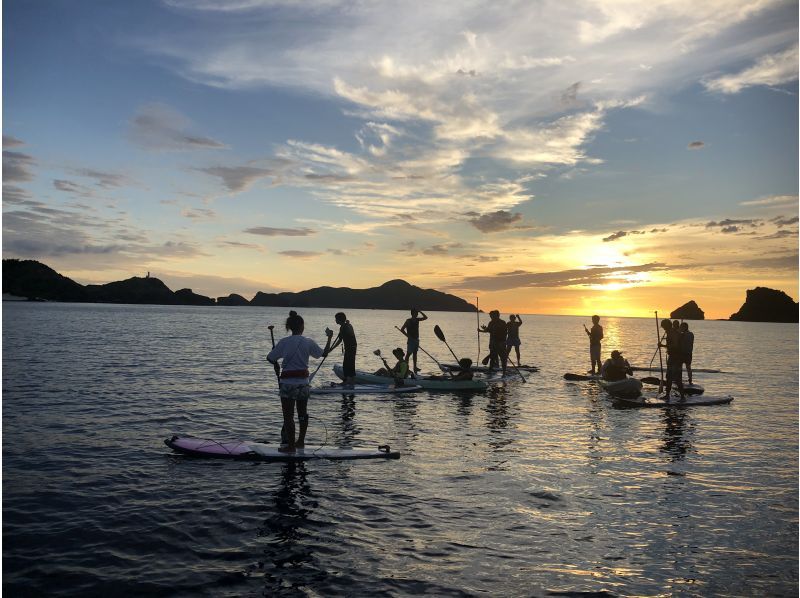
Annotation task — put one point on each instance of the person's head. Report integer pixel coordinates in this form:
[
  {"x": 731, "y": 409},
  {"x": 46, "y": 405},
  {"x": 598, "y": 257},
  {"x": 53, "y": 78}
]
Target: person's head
[
  {"x": 595, "y": 319},
  {"x": 295, "y": 323},
  {"x": 512, "y": 317},
  {"x": 399, "y": 353},
  {"x": 616, "y": 355},
  {"x": 414, "y": 312},
  {"x": 494, "y": 314},
  {"x": 465, "y": 363},
  {"x": 684, "y": 327},
  {"x": 341, "y": 318},
  {"x": 676, "y": 324},
  {"x": 666, "y": 324}
]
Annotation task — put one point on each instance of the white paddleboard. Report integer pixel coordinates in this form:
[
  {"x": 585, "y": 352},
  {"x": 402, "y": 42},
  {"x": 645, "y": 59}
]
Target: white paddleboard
[
  {"x": 363, "y": 389},
  {"x": 674, "y": 401},
  {"x": 256, "y": 451}
]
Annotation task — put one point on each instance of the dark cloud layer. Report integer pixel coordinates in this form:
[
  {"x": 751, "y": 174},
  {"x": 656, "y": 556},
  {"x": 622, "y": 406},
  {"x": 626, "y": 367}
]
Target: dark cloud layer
[
  {"x": 17, "y": 167},
  {"x": 159, "y": 127},
  {"x": 268, "y": 231},
  {"x": 495, "y": 221},
  {"x": 237, "y": 178}
]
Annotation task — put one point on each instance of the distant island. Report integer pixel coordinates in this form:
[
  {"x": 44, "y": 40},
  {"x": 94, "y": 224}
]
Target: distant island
[
  {"x": 767, "y": 305},
  {"x": 688, "y": 311},
  {"x": 32, "y": 280}
]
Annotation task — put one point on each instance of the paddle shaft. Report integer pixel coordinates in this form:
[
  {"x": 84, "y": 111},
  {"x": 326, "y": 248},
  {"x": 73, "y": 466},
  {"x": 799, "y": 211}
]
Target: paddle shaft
[
  {"x": 311, "y": 377},
  {"x": 421, "y": 349},
  {"x": 275, "y": 365},
  {"x": 478, "y": 319},
  {"x": 660, "y": 358},
  {"x": 438, "y": 332}
]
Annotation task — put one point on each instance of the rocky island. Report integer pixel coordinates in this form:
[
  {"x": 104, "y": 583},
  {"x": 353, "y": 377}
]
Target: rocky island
[
  {"x": 688, "y": 311},
  {"x": 767, "y": 305}
]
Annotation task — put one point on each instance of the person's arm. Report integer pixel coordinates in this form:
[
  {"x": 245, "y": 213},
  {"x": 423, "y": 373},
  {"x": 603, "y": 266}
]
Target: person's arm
[
  {"x": 519, "y": 320},
  {"x": 338, "y": 340},
  {"x": 424, "y": 317},
  {"x": 403, "y": 327},
  {"x": 483, "y": 328},
  {"x": 327, "y": 349},
  {"x": 587, "y": 330},
  {"x": 276, "y": 353}
]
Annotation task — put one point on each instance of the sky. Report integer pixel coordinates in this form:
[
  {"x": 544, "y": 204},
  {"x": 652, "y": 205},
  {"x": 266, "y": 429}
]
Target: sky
[{"x": 606, "y": 156}]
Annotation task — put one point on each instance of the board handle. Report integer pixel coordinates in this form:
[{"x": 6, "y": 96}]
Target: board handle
[{"x": 384, "y": 448}]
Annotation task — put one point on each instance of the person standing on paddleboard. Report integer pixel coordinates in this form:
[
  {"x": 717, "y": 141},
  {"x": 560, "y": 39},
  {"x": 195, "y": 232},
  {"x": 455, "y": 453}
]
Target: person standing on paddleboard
[
  {"x": 294, "y": 380},
  {"x": 672, "y": 342},
  {"x": 411, "y": 329},
  {"x": 687, "y": 348},
  {"x": 512, "y": 340},
  {"x": 347, "y": 338},
  {"x": 595, "y": 348},
  {"x": 497, "y": 329}
]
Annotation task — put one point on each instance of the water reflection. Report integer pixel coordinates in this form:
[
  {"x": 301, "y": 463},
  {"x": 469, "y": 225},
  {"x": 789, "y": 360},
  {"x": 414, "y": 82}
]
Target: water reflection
[
  {"x": 287, "y": 553},
  {"x": 350, "y": 428},
  {"x": 678, "y": 430}
]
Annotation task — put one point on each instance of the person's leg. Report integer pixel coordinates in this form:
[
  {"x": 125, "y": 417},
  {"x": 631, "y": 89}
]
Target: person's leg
[
  {"x": 516, "y": 348},
  {"x": 287, "y": 406},
  {"x": 349, "y": 367},
  {"x": 302, "y": 418},
  {"x": 689, "y": 368},
  {"x": 503, "y": 357}
]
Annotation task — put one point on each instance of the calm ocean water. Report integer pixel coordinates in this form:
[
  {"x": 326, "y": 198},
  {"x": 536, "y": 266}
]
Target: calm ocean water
[{"x": 525, "y": 490}]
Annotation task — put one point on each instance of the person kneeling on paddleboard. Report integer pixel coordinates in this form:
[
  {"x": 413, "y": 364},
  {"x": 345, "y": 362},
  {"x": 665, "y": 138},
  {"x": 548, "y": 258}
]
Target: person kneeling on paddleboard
[
  {"x": 294, "y": 381},
  {"x": 616, "y": 368},
  {"x": 464, "y": 369}
]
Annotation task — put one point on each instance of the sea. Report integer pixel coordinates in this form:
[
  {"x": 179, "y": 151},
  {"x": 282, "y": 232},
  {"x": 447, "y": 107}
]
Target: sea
[{"x": 535, "y": 488}]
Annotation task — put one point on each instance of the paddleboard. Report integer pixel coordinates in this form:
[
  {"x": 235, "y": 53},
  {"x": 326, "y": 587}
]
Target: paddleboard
[
  {"x": 510, "y": 375},
  {"x": 363, "y": 389},
  {"x": 689, "y": 389},
  {"x": 674, "y": 401},
  {"x": 694, "y": 370},
  {"x": 484, "y": 369},
  {"x": 427, "y": 382},
  {"x": 582, "y": 377},
  {"x": 626, "y": 387},
  {"x": 256, "y": 451}
]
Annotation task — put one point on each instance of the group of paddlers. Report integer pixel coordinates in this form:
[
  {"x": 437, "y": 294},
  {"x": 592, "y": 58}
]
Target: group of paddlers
[{"x": 677, "y": 339}]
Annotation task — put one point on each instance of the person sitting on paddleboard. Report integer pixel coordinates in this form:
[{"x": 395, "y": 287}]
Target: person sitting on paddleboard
[
  {"x": 595, "y": 336},
  {"x": 616, "y": 368},
  {"x": 346, "y": 338},
  {"x": 411, "y": 329},
  {"x": 294, "y": 387},
  {"x": 514, "y": 322},
  {"x": 497, "y": 329},
  {"x": 687, "y": 347},
  {"x": 672, "y": 342},
  {"x": 400, "y": 370},
  {"x": 464, "y": 369}
]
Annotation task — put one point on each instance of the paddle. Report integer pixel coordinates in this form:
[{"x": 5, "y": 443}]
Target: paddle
[
  {"x": 660, "y": 359},
  {"x": 378, "y": 353},
  {"x": 275, "y": 364},
  {"x": 478, "y": 318},
  {"x": 329, "y": 334},
  {"x": 423, "y": 350}
]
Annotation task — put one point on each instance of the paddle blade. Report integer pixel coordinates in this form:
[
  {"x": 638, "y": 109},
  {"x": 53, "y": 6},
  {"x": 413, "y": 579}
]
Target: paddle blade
[{"x": 438, "y": 332}]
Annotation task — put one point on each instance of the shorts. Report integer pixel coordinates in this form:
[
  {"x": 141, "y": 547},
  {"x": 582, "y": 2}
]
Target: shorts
[
  {"x": 674, "y": 367},
  {"x": 513, "y": 342},
  {"x": 412, "y": 346},
  {"x": 295, "y": 392},
  {"x": 349, "y": 364},
  {"x": 594, "y": 352},
  {"x": 497, "y": 347},
  {"x": 687, "y": 359}
]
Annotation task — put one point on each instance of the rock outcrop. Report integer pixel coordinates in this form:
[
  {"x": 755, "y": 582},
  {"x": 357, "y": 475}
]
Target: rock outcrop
[
  {"x": 232, "y": 299},
  {"x": 688, "y": 311},
  {"x": 767, "y": 305}
]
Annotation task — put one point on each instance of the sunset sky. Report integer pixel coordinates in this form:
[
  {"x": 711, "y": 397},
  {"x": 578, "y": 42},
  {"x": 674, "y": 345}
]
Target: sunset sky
[{"x": 611, "y": 157}]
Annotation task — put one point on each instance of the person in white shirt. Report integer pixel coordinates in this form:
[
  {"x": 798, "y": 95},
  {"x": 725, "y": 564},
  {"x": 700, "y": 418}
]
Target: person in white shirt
[{"x": 295, "y": 350}]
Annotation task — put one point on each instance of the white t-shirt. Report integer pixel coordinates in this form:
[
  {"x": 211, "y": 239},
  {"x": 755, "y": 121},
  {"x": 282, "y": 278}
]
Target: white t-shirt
[{"x": 295, "y": 351}]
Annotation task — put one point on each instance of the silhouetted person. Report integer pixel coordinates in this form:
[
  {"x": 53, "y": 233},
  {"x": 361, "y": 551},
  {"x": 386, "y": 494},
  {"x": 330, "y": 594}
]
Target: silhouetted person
[
  {"x": 512, "y": 340},
  {"x": 687, "y": 347},
  {"x": 294, "y": 387},
  {"x": 411, "y": 329},
  {"x": 400, "y": 370},
  {"x": 347, "y": 338},
  {"x": 595, "y": 336},
  {"x": 464, "y": 369},
  {"x": 616, "y": 368},
  {"x": 672, "y": 342},
  {"x": 497, "y": 329}
]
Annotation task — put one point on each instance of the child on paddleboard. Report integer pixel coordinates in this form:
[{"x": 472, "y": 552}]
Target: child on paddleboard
[
  {"x": 512, "y": 340},
  {"x": 595, "y": 336},
  {"x": 295, "y": 350},
  {"x": 411, "y": 329}
]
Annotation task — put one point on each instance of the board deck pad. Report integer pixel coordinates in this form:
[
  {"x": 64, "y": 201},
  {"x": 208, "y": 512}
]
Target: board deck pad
[
  {"x": 361, "y": 389},
  {"x": 675, "y": 401},
  {"x": 257, "y": 451}
]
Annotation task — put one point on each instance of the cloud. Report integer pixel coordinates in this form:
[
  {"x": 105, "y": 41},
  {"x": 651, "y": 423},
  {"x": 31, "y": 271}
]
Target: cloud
[
  {"x": 161, "y": 128},
  {"x": 17, "y": 167},
  {"x": 269, "y": 231},
  {"x": 237, "y": 178},
  {"x": 496, "y": 221},
  {"x": 773, "y": 200},
  {"x": 562, "y": 278},
  {"x": 73, "y": 188},
  {"x": 106, "y": 180},
  {"x": 198, "y": 213},
  {"x": 781, "y": 221},
  {"x": 9, "y": 141},
  {"x": 696, "y": 145},
  {"x": 772, "y": 69},
  {"x": 622, "y": 233},
  {"x": 303, "y": 255},
  {"x": 733, "y": 224}
]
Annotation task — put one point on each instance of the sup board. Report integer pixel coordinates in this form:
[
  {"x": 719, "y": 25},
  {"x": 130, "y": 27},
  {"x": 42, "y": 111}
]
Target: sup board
[
  {"x": 256, "y": 451},
  {"x": 582, "y": 377},
  {"x": 363, "y": 389},
  {"x": 449, "y": 367},
  {"x": 689, "y": 389},
  {"x": 629, "y": 387},
  {"x": 674, "y": 401},
  {"x": 426, "y": 382},
  {"x": 694, "y": 370}
]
